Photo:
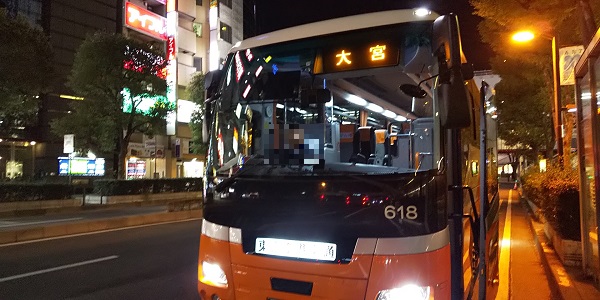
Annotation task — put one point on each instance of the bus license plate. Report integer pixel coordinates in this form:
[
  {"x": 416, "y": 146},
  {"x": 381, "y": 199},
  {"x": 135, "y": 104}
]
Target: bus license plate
[{"x": 296, "y": 249}]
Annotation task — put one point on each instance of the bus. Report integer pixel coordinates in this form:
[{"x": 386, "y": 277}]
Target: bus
[{"x": 349, "y": 159}]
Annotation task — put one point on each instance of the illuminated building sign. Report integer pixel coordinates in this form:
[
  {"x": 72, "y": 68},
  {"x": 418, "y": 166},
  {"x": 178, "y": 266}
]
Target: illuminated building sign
[
  {"x": 171, "y": 48},
  {"x": 145, "y": 21},
  {"x": 360, "y": 56},
  {"x": 172, "y": 24},
  {"x": 81, "y": 166}
]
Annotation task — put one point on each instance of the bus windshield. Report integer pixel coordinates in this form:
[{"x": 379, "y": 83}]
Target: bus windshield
[{"x": 327, "y": 104}]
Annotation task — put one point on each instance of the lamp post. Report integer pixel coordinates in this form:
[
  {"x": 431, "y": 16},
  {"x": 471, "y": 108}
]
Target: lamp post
[
  {"x": 557, "y": 102},
  {"x": 525, "y": 36}
]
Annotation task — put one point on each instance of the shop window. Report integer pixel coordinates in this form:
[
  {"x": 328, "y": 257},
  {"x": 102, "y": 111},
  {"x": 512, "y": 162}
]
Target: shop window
[{"x": 225, "y": 33}]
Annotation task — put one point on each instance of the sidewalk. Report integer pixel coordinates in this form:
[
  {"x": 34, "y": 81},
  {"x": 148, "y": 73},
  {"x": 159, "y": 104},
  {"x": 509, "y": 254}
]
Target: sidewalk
[
  {"x": 94, "y": 218},
  {"x": 570, "y": 282}
]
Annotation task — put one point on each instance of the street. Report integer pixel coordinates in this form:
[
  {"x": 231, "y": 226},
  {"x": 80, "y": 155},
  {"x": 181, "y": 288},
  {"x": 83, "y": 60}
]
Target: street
[
  {"x": 152, "y": 262},
  {"x": 160, "y": 261}
]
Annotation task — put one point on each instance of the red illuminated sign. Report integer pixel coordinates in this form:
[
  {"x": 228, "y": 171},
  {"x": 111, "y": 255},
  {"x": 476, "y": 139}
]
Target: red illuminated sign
[
  {"x": 145, "y": 21},
  {"x": 171, "y": 48}
]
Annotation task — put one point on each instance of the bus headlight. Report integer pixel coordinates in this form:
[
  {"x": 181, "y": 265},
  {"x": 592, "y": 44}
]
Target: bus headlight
[
  {"x": 408, "y": 292},
  {"x": 212, "y": 274}
]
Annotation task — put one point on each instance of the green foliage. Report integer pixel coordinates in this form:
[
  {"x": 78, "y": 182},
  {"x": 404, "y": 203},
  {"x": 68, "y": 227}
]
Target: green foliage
[
  {"x": 524, "y": 95},
  {"x": 109, "y": 187},
  {"x": 524, "y": 112},
  {"x": 545, "y": 17},
  {"x": 556, "y": 193},
  {"x": 24, "y": 191},
  {"x": 197, "y": 95},
  {"x": 105, "y": 64},
  {"x": 26, "y": 64}
]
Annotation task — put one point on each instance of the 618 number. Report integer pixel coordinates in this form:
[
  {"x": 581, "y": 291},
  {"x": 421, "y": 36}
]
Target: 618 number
[{"x": 402, "y": 212}]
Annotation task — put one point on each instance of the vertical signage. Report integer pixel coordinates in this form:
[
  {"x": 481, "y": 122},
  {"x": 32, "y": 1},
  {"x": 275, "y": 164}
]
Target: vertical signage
[
  {"x": 69, "y": 143},
  {"x": 145, "y": 21},
  {"x": 178, "y": 148},
  {"x": 172, "y": 19},
  {"x": 568, "y": 57}
]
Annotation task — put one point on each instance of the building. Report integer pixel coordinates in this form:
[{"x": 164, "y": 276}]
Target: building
[
  {"x": 226, "y": 21},
  {"x": 187, "y": 36}
]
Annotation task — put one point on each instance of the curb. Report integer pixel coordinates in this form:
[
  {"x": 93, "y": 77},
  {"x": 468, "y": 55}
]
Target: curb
[
  {"x": 561, "y": 285},
  {"x": 90, "y": 206},
  {"x": 57, "y": 230}
]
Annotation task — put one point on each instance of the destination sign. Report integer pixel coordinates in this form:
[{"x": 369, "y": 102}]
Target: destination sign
[{"x": 360, "y": 56}]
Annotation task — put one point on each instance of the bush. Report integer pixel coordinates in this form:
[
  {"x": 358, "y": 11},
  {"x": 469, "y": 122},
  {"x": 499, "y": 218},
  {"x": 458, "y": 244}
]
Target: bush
[
  {"x": 113, "y": 187},
  {"x": 27, "y": 191},
  {"x": 556, "y": 192}
]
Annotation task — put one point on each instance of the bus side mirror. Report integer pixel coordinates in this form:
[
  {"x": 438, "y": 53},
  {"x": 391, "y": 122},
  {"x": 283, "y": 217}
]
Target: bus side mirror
[
  {"x": 211, "y": 85},
  {"x": 455, "y": 108},
  {"x": 211, "y": 82},
  {"x": 207, "y": 120},
  {"x": 446, "y": 41},
  {"x": 454, "y": 104}
]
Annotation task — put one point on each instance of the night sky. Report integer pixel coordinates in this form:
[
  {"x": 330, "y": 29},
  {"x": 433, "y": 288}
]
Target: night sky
[{"x": 277, "y": 14}]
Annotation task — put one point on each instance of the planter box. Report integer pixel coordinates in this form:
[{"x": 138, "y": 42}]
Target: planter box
[
  {"x": 38, "y": 205},
  {"x": 162, "y": 197},
  {"x": 568, "y": 251}
]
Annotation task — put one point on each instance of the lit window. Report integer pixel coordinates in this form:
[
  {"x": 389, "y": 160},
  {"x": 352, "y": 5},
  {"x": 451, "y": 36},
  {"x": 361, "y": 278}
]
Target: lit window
[{"x": 225, "y": 32}]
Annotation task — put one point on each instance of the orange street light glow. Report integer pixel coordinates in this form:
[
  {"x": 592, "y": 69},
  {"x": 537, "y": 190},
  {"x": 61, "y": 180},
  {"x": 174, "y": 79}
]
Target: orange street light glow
[{"x": 523, "y": 36}]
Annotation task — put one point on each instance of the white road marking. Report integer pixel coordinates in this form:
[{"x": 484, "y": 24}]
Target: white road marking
[
  {"x": 503, "y": 289},
  {"x": 95, "y": 232},
  {"x": 15, "y": 224},
  {"x": 82, "y": 263}
]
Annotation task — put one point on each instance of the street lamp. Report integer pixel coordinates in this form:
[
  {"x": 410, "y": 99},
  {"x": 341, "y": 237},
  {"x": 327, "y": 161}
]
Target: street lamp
[
  {"x": 526, "y": 36},
  {"x": 32, "y": 143}
]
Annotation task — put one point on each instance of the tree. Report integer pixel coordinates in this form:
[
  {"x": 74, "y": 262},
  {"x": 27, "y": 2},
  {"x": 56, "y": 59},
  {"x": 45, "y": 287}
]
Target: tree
[
  {"x": 524, "y": 118},
  {"x": 26, "y": 64},
  {"x": 198, "y": 96},
  {"x": 116, "y": 76},
  {"x": 524, "y": 95}
]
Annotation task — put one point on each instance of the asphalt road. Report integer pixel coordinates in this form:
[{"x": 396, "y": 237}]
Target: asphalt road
[{"x": 152, "y": 262}]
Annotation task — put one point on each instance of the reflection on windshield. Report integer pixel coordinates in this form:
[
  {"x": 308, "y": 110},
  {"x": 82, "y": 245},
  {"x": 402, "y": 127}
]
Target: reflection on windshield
[{"x": 367, "y": 127}]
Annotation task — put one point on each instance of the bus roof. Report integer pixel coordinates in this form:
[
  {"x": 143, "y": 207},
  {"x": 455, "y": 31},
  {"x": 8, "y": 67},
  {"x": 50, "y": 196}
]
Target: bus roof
[{"x": 333, "y": 26}]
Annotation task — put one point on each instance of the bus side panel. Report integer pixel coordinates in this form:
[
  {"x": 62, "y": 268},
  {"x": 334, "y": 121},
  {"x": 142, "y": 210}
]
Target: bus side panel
[
  {"x": 424, "y": 269},
  {"x": 215, "y": 251}
]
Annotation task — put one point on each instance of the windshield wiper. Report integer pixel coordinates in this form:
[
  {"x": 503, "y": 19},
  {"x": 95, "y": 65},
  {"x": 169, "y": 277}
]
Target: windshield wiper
[{"x": 246, "y": 166}]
